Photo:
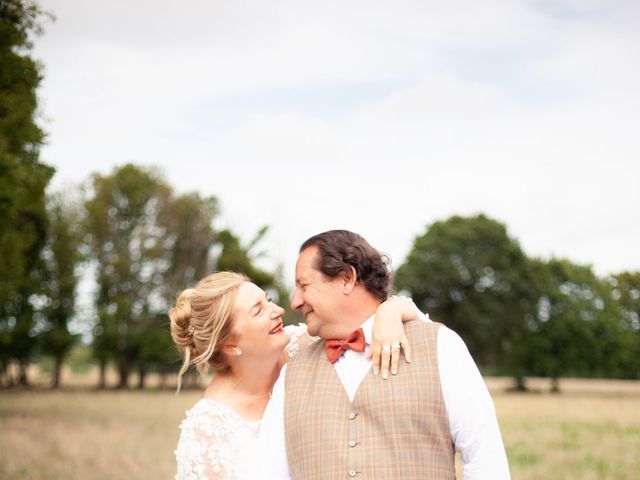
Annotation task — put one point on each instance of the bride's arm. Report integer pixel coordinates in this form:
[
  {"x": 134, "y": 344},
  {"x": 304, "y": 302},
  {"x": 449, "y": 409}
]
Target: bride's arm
[
  {"x": 387, "y": 330},
  {"x": 389, "y": 336}
]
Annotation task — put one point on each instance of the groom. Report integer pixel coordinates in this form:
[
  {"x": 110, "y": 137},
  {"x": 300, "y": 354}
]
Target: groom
[{"x": 331, "y": 418}]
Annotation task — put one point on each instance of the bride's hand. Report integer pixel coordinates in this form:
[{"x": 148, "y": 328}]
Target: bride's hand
[{"x": 389, "y": 337}]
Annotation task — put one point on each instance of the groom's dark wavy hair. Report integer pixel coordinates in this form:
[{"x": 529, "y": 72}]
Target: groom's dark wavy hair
[{"x": 339, "y": 250}]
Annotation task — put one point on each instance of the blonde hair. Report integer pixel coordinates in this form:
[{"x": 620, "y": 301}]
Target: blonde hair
[{"x": 200, "y": 321}]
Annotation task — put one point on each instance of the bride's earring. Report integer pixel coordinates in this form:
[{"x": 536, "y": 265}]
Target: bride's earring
[{"x": 238, "y": 352}]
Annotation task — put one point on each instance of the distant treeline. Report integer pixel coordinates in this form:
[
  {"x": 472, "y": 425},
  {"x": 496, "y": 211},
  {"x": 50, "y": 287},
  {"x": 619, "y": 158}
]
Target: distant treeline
[
  {"x": 524, "y": 316},
  {"x": 143, "y": 243}
]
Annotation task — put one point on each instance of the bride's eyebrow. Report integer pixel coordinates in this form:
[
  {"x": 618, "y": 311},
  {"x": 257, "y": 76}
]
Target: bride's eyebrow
[
  {"x": 257, "y": 304},
  {"x": 254, "y": 306}
]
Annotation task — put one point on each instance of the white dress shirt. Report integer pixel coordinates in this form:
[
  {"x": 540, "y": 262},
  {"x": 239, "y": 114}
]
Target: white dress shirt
[{"x": 472, "y": 418}]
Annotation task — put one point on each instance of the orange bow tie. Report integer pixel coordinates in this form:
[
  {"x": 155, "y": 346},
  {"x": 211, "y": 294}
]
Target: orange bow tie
[{"x": 336, "y": 347}]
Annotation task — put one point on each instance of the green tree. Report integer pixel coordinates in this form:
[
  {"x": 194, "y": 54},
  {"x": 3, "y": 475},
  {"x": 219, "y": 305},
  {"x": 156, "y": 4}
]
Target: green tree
[
  {"x": 157, "y": 352},
  {"x": 23, "y": 180},
  {"x": 189, "y": 241},
  {"x": 576, "y": 329},
  {"x": 243, "y": 258},
  {"x": 467, "y": 273},
  {"x": 148, "y": 244},
  {"x": 61, "y": 257},
  {"x": 127, "y": 239},
  {"x": 20, "y": 76},
  {"x": 626, "y": 291}
]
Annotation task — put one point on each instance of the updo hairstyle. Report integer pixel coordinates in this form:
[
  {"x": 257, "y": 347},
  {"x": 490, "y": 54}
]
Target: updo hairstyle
[{"x": 200, "y": 323}]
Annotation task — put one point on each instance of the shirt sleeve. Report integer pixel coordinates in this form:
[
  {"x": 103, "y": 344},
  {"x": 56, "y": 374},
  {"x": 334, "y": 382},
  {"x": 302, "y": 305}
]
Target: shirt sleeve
[
  {"x": 272, "y": 450},
  {"x": 472, "y": 417}
]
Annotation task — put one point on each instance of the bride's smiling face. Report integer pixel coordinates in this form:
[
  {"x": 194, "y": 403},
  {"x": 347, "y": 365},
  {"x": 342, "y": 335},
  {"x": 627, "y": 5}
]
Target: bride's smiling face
[{"x": 257, "y": 322}]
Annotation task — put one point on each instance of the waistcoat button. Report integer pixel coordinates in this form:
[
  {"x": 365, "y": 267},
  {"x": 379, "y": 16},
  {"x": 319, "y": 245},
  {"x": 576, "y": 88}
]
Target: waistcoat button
[
  {"x": 352, "y": 443},
  {"x": 352, "y": 473},
  {"x": 352, "y": 416}
]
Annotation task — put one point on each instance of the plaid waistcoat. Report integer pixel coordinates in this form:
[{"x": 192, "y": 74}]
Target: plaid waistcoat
[{"x": 394, "y": 428}]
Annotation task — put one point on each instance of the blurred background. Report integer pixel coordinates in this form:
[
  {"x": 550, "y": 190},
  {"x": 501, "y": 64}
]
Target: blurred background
[{"x": 487, "y": 147}]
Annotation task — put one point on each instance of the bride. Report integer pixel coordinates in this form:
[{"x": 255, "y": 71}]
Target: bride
[{"x": 231, "y": 326}]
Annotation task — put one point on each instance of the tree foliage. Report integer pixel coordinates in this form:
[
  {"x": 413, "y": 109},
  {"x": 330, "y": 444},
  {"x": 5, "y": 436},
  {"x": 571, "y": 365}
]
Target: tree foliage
[
  {"x": 575, "y": 329},
  {"x": 61, "y": 257},
  {"x": 242, "y": 258},
  {"x": 626, "y": 291},
  {"x": 192, "y": 237},
  {"x": 237, "y": 257},
  {"x": 23, "y": 179},
  {"x": 470, "y": 275},
  {"x": 520, "y": 315},
  {"x": 147, "y": 244},
  {"x": 128, "y": 241}
]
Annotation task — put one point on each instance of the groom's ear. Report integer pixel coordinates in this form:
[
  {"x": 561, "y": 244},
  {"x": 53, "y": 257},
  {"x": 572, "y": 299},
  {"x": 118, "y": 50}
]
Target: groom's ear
[{"x": 349, "y": 279}]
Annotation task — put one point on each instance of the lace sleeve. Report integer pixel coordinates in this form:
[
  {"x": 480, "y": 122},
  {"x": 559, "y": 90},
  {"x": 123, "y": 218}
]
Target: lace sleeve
[
  {"x": 299, "y": 338},
  {"x": 198, "y": 452},
  {"x": 210, "y": 446}
]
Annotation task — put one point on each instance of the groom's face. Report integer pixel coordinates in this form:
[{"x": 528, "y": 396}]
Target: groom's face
[{"x": 316, "y": 296}]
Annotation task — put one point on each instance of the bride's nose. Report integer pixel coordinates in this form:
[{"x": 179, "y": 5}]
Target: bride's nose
[{"x": 277, "y": 312}]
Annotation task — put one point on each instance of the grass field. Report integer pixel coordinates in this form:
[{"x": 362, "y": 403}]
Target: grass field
[{"x": 589, "y": 431}]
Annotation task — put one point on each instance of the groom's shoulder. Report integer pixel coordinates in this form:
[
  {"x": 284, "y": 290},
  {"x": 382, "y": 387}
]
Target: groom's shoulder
[
  {"x": 422, "y": 333},
  {"x": 419, "y": 326}
]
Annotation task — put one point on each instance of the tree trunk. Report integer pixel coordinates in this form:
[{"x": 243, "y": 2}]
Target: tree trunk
[
  {"x": 102, "y": 382},
  {"x": 142, "y": 370},
  {"x": 520, "y": 383},
  {"x": 555, "y": 385},
  {"x": 57, "y": 368},
  {"x": 4, "y": 374},
  {"x": 23, "y": 373},
  {"x": 123, "y": 370}
]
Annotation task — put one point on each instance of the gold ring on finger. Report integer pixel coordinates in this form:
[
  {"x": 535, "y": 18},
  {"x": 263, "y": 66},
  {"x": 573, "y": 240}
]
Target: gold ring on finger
[{"x": 395, "y": 346}]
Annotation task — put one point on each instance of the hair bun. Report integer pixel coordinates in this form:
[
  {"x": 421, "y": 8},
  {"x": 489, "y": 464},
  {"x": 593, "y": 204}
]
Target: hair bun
[{"x": 180, "y": 316}]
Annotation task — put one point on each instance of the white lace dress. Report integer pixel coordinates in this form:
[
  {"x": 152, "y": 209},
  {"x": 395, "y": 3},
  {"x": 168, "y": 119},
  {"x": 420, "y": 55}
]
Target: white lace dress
[{"x": 215, "y": 442}]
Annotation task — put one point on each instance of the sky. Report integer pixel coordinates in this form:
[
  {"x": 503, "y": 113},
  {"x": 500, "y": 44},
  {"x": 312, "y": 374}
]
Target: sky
[{"x": 375, "y": 116}]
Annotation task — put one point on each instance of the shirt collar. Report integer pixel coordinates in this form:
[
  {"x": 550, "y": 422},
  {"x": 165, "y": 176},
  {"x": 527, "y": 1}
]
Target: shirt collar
[{"x": 367, "y": 329}]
